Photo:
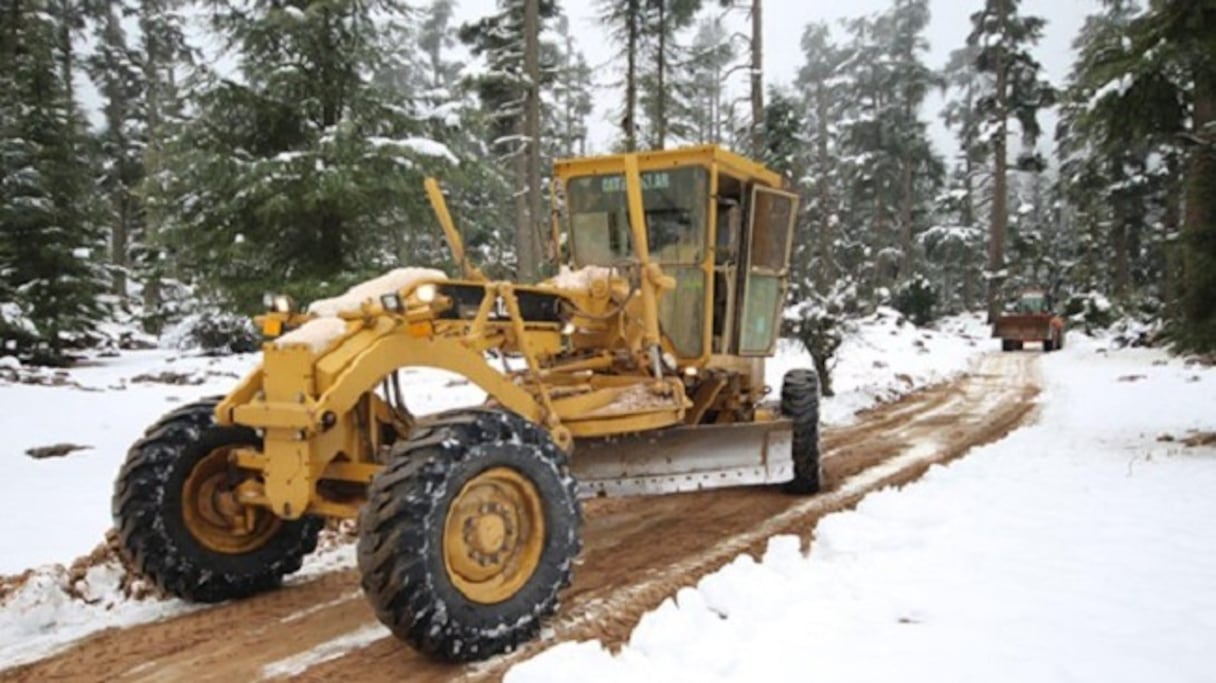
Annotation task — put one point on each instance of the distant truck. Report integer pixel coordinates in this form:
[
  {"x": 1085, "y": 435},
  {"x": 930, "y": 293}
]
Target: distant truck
[{"x": 1032, "y": 322}]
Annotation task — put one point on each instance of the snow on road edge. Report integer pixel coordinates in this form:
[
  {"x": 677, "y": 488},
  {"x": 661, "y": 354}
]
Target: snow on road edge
[{"x": 1077, "y": 548}]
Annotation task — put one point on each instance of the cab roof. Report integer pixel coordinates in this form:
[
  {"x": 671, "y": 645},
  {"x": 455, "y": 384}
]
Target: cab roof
[{"x": 704, "y": 155}]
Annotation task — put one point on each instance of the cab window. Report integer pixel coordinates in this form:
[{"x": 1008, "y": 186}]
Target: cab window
[{"x": 674, "y": 201}]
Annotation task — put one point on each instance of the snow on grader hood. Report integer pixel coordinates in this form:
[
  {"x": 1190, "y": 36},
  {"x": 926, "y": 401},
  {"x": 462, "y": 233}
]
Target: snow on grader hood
[{"x": 637, "y": 369}]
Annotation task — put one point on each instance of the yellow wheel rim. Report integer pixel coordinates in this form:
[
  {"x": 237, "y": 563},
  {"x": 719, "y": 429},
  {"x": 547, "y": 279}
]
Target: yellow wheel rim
[
  {"x": 494, "y": 535},
  {"x": 214, "y": 516}
]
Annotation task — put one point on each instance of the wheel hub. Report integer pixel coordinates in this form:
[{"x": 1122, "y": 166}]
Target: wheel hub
[
  {"x": 215, "y": 517},
  {"x": 493, "y": 536}
]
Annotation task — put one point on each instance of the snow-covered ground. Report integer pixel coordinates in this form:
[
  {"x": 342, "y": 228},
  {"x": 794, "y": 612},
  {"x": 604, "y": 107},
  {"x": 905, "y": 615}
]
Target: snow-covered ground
[
  {"x": 61, "y": 505},
  {"x": 1080, "y": 548}
]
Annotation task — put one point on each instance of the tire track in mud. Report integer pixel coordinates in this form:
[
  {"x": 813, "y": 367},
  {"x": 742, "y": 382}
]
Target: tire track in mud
[{"x": 637, "y": 552}]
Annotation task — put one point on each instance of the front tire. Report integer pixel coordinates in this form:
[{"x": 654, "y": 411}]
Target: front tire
[
  {"x": 800, "y": 403},
  {"x": 177, "y": 516},
  {"x": 468, "y": 535}
]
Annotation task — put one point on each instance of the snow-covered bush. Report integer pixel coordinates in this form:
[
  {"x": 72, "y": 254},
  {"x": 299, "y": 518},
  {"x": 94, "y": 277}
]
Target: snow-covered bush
[
  {"x": 1090, "y": 311},
  {"x": 818, "y": 322},
  {"x": 917, "y": 300},
  {"x": 1135, "y": 333},
  {"x": 214, "y": 332}
]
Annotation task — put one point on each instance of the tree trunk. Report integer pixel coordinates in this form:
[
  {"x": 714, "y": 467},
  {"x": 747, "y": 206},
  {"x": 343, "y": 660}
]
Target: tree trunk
[
  {"x": 519, "y": 165},
  {"x": 1000, "y": 217},
  {"x": 660, "y": 92},
  {"x": 66, "y": 65},
  {"x": 569, "y": 126},
  {"x": 1172, "y": 222},
  {"x": 122, "y": 196},
  {"x": 1122, "y": 259},
  {"x": 905, "y": 220},
  {"x": 1199, "y": 220},
  {"x": 631, "y": 78},
  {"x": 118, "y": 239},
  {"x": 826, "y": 277},
  {"x": 528, "y": 242},
  {"x": 757, "y": 93}
]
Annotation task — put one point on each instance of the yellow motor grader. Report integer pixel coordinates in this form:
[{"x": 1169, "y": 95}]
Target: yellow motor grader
[{"x": 638, "y": 369}]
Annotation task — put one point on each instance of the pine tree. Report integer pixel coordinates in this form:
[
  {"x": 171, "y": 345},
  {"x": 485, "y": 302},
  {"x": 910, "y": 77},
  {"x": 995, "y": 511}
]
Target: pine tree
[
  {"x": 664, "y": 98},
  {"x": 625, "y": 22},
  {"x": 478, "y": 193},
  {"x": 785, "y": 153},
  {"x": 1159, "y": 85},
  {"x": 1112, "y": 189},
  {"x": 163, "y": 51},
  {"x": 710, "y": 57},
  {"x": 434, "y": 38},
  {"x": 965, "y": 203},
  {"x": 114, "y": 69},
  {"x": 304, "y": 174},
  {"x": 507, "y": 92},
  {"x": 920, "y": 171},
  {"x": 822, "y": 83},
  {"x": 892, "y": 171},
  {"x": 1003, "y": 38},
  {"x": 571, "y": 103},
  {"x": 48, "y": 233}
]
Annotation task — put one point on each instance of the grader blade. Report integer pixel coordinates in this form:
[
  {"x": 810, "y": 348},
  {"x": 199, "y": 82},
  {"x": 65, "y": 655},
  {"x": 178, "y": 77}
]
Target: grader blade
[{"x": 685, "y": 459}]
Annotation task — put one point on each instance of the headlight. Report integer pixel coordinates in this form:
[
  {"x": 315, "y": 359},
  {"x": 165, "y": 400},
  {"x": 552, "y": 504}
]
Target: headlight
[
  {"x": 568, "y": 329},
  {"x": 279, "y": 303},
  {"x": 426, "y": 292}
]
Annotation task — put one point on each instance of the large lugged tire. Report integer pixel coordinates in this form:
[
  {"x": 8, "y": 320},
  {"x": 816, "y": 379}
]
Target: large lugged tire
[
  {"x": 469, "y": 533},
  {"x": 800, "y": 403},
  {"x": 173, "y": 526}
]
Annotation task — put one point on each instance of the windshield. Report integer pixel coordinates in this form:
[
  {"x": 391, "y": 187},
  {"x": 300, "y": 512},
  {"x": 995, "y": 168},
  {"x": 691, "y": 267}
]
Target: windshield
[
  {"x": 675, "y": 203},
  {"x": 1032, "y": 303}
]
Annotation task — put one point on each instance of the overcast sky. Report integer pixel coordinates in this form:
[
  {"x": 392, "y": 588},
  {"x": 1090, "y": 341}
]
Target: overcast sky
[{"x": 784, "y": 21}]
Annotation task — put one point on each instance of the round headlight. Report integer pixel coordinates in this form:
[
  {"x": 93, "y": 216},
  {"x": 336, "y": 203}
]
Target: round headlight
[
  {"x": 426, "y": 292},
  {"x": 283, "y": 303}
]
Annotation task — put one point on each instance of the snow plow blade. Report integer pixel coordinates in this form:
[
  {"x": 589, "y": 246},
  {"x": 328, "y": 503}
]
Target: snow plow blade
[{"x": 685, "y": 459}]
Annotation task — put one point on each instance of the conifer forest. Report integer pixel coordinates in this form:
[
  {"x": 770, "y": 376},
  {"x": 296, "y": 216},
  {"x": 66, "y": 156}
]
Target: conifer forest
[{"x": 168, "y": 162}]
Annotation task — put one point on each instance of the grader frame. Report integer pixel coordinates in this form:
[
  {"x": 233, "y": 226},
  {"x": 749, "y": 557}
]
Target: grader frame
[
  {"x": 312, "y": 410},
  {"x": 640, "y": 370}
]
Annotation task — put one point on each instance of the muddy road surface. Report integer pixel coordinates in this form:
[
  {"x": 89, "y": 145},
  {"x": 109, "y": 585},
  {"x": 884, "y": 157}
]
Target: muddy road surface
[{"x": 637, "y": 552}]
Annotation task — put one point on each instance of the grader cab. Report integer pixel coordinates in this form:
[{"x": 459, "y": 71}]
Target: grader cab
[{"x": 639, "y": 368}]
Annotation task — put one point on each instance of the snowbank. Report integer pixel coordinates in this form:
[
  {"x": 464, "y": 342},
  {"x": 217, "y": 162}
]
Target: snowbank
[
  {"x": 884, "y": 356},
  {"x": 1079, "y": 549}
]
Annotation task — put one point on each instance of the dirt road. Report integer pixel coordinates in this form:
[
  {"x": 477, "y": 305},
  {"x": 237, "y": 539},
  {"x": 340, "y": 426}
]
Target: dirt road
[{"x": 636, "y": 553}]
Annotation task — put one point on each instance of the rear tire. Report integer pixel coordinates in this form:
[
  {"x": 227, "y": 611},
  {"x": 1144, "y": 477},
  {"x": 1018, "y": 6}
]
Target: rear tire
[
  {"x": 157, "y": 525},
  {"x": 429, "y": 572},
  {"x": 1049, "y": 345},
  {"x": 800, "y": 403}
]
